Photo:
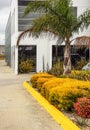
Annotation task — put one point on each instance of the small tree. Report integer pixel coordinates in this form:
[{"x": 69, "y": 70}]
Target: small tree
[{"x": 58, "y": 20}]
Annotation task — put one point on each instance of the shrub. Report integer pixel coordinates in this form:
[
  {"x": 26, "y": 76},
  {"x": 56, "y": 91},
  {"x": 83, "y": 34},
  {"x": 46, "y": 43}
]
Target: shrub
[
  {"x": 61, "y": 92},
  {"x": 2, "y": 56},
  {"x": 35, "y": 77},
  {"x": 81, "y": 75},
  {"x": 57, "y": 69},
  {"x": 45, "y": 90},
  {"x": 25, "y": 66},
  {"x": 40, "y": 81},
  {"x": 63, "y": 96},
  {"x": 82, "y": 107},
  {"x": 80, "y": 64}
]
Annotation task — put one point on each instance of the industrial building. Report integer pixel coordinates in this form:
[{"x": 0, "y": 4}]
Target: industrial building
[{"x": 42, "y": 49}]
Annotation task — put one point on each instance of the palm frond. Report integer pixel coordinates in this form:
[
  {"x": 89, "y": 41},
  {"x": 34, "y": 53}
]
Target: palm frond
[
  {"x": 37, "y": 6},
  {"x": 23, "y": 34},
  {"x": 49, "y": 6},
  {"x": 57, "y": 18},
  {"x": 83, "y": 20}
]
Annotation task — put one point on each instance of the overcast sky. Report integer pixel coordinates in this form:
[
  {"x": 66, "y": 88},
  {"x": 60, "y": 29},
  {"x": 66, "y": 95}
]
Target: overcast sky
[{"x": 4, "y": 13}]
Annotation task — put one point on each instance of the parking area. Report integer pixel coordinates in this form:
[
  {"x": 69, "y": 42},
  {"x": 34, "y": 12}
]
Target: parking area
[{"x": 18, "y": 109}]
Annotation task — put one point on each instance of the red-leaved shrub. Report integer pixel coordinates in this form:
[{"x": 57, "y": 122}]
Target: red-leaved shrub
[{"x": 82, "y": 107}]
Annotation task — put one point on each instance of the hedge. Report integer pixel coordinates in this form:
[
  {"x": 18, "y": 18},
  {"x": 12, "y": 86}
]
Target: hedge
[{"x": 61, "y": 92}]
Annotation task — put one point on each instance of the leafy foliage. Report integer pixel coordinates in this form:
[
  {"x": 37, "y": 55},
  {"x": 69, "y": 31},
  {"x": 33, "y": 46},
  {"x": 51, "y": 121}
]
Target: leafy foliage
[
  {"x": 80, "y": 64},
  {"x": 82, "y": 107},
  {"x": 80, "y": 75},
  {"x": 58, "y": 18},
  {"x": 25, "y": 66},
  {"x": 61, "y": 92},
  {"x": 36, "y": 76},
  {"x": 57, "y": 69},
  {"x": 64, "y": 95},
  {"x": 2, "y": 57}
]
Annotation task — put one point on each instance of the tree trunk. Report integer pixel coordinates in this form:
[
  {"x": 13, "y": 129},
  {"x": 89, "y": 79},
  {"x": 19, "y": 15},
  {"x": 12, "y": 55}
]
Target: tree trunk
[{"x": 67, "y": 59}]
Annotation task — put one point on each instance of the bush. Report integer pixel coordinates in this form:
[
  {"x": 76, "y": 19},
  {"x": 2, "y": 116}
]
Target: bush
[
  {"x": 47, "y": 86},
  {"x": 40, "y": 81},
  {"x": 25, "y": 66},
  {"x": 61, "y": 92},
  {"x": 63, "y": 96},
  {"x": 80, "y": 64},
  {"x": 35, "y": 77},
  {"x": 80, "y": 75},
  {"x": 57, "y": 69},
  {"x": 82, "y": 107},
  {"x": 2, "y": 56}
]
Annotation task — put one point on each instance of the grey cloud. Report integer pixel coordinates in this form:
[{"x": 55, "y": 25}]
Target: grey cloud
[{"x": 4, "y": 12}]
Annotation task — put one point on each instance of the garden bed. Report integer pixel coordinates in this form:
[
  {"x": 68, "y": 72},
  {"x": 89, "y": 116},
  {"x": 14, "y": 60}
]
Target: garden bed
[
  {"x": 63, "y": 93},
  {"x": 76, "y": 119},
  {"x": 70, "y": 115}
]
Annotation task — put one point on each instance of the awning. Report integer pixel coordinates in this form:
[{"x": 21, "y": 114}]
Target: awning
[{"x": 82, "y": 41}]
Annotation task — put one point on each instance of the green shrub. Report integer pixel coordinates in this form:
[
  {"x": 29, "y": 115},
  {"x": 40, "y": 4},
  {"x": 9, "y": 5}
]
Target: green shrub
[
  {"x": 57, "y": 69},
  {"x": 25, "y": 66},
  {"x": 2, "y": 56},
  {"x": 80, "y": 75},
  {"x": 80, "y": 64}
]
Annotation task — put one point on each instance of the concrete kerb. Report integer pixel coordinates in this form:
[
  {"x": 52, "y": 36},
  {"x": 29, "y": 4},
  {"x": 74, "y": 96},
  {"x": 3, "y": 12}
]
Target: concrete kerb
[{"x": 58, "y": 116}]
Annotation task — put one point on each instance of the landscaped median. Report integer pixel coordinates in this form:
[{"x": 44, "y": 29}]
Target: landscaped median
[
  {"x": 65, "y": 123},
  {"x": 63, "y": 95}
]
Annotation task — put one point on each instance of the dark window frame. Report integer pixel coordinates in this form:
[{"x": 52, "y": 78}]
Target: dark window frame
[{"x": 28, "y": 52}]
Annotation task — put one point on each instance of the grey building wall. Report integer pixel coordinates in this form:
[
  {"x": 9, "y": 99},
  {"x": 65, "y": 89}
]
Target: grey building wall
[
  {"x": 8, "y": 41},
  {"x": 24, "y": 22},
  {"x": 13, "y": 32}
]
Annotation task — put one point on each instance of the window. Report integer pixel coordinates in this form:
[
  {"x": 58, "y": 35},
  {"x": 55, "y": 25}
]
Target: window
[
  {"x": 57, "y": 53},
  {"x": 27, "y": 52},
  {"x": 24, "y": 2},
  {"x": 75, "y": 11}
]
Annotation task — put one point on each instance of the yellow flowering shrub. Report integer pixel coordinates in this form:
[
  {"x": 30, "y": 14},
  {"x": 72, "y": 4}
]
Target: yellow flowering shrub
[
  {"x": 35, "y": 77},
  {"x": 45, "y": 90},
  {"x": 40, "y": 81},
  {"x": 63, "y": 96},
  {"x": 61, "y": 92}
]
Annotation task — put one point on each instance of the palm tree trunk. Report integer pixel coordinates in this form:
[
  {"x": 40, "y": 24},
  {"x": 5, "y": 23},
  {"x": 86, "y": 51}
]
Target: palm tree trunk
[{"x": 67, "y": 59}]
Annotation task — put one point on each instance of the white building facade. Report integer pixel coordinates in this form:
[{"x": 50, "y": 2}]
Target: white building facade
[{"x": 42, "y": 46}]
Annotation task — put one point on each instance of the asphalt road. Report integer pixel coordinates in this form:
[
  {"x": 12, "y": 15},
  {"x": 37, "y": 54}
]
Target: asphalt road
[{"x": 18, "y": 109}]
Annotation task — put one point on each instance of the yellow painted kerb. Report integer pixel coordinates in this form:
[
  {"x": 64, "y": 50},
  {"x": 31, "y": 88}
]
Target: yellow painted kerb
[{"x": 59, "y": 117}]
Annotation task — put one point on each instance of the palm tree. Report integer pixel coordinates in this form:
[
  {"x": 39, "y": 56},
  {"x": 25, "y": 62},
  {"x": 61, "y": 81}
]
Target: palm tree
[{"x": 59, "y": 20}]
